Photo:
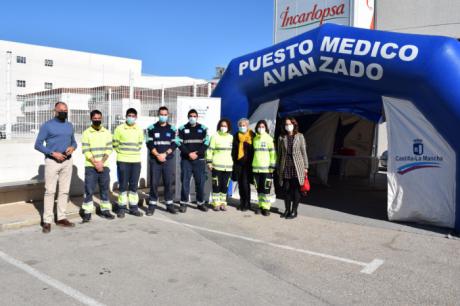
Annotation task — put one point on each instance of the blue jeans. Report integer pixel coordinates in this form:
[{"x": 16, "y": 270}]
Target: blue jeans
[
  {"x": 197, "y": 168},
  {"x": 161, "y": 170},
  {"x": 94, "y": 178},
  {"x": 128, "y": 176}
]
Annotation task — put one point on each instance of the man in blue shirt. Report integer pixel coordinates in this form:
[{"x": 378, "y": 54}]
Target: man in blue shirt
[
  {"x": 161, "y": 146},
  {"x": 56, "y": 141}
]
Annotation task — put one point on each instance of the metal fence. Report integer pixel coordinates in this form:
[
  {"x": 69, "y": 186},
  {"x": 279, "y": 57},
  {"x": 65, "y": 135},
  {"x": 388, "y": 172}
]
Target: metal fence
[{"x": 24, "y": 114}]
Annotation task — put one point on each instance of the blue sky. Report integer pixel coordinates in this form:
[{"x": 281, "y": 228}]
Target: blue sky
[{"x": 171, "y": 37}]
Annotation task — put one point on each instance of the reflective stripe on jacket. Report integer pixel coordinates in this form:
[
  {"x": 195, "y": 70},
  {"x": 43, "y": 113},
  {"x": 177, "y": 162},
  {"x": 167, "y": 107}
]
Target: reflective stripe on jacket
[
  {"x": 219, "y": 153},
  {"x": 127, "y": 142},
  {"x": 95, "y": 144},
  {"x": 264, "y": 160}
]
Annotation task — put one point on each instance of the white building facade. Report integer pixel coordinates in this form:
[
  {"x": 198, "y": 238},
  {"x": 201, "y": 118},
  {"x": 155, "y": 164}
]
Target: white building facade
[{"x": 32, "y": 77}]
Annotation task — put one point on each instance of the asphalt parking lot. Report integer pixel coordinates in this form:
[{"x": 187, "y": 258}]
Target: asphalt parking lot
[{"x": 232, "y": 258}]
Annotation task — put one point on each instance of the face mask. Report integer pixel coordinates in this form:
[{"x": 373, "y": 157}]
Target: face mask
[
  {"x": 192, "y": 120},
  {"x": 163, "y": 119},
  {"x": 62, "y": 116},
  {"x": 289, "y": 127},
  {"x": 130, "y": 120},
  {"x": 243, "y": 129},
  {"x": 97, "y": 123},
  {"x": 261, "y": 130},
  {"x": 223, "y": 129}
]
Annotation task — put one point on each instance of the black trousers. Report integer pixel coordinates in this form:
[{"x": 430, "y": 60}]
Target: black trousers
[
  {"x": 263, "y": 182},
  {"x": 292, "y": 195},
  {"x": 244, "y": 187},
  {"x": 220, "y": 181}
]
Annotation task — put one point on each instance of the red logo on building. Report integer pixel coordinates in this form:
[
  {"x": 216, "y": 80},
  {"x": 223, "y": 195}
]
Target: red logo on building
[{"x": 316, "y": 15}]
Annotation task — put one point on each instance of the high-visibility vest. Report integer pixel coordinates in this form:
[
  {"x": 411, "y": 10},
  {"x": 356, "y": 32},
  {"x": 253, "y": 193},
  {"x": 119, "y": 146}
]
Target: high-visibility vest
[
  {"x": 219, "y": 153},
  {"x": 264, "y": 160},
  {"x": 127, "y": 142},
  {"x": 95, "y": 144}
]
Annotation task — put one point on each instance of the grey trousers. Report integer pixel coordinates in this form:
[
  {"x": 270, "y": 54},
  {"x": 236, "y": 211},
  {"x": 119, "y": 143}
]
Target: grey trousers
[{"x": 56, "y": 173}]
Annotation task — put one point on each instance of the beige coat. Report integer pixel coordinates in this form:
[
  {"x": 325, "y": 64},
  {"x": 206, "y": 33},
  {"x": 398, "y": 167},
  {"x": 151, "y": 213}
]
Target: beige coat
[{"x": 299, "y": 154}]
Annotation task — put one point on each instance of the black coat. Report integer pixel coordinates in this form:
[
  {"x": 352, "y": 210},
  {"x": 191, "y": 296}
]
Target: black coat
[{"x": 244, "y": 164}]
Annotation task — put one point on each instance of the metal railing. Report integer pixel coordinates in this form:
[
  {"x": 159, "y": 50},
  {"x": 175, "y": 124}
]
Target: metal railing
[{"x": 27, "y": 112}]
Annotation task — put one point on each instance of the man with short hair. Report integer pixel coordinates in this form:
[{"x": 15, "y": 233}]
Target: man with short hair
[
  {"x": 127, "y": 142},
  {"x": 193, "y": 140},
  {"x": 161, "y": 144},
  {"x": 96, "y": 145},
  {"x": 56, "y": 141}
]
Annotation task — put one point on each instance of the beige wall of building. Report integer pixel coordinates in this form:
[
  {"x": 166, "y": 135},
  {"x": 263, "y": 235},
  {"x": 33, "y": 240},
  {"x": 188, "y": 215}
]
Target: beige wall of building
[{"x": 432, "y": 17}]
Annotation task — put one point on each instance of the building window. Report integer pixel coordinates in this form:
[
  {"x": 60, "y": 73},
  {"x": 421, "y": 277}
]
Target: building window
[
  {"x": 48, "y": 85},
  {"x": 21, "y": 59},
  {"x": 21, "y": 83},
  {"x": 49, "y": 63}
]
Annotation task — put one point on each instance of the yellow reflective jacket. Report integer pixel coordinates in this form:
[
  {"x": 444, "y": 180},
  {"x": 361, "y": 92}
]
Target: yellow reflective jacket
[
  {"x": 219, "y": 153},
  {"x": 127, "y": 142},
  {"x": 264, "y": 160},
  {"x": 95, "y": 144}
]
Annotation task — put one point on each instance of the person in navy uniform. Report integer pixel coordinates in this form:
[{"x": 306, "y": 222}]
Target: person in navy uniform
[
  {"x": 161, "y": 145},
  {"x": 193, "y": 140}
]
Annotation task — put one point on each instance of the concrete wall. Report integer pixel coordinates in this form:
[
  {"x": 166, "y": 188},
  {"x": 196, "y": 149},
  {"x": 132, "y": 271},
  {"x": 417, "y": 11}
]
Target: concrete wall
[
  {"x": 433, "y": 17},
  {"x": 20, "y": 162}
]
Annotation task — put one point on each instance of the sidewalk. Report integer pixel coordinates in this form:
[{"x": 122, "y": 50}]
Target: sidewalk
[{"x": 20, "y": 214}]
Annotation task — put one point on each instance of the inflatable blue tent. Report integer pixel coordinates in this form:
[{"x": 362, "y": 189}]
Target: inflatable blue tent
[{"x": 413, "y": 79}]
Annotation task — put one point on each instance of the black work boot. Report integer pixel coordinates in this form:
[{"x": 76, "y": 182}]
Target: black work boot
[
  {"x": 134, "y": 210},
  {"x": 121, "y": 212},
  {"x": 171, "y": 209},
  {"x": 183, "y": 208},
  {"x": 203, "y": 207},
  {"x": 86, "y": 217},
  {"x": 107, "y": 215},
  {"x": 265, "y": 212},
  {"x": 150, "y": 210}
]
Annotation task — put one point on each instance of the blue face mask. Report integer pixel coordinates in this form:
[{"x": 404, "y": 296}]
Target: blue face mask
[
  {"x": 130, "y": 120},
  {"x": 192, "y": 120},
  {"x": 163, "y": 119},
  {"x": 243, "y": 129}
]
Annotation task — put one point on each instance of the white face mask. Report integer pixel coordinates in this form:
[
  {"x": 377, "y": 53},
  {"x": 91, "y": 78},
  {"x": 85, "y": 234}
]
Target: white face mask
[
  {"x": 223, "y": 129},
  {"x": 261, "y": 130},
  {"x": 289, "y": 127}
]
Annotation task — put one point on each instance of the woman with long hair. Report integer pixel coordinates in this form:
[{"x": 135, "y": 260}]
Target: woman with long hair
[
  {"x": 293, "y": 165},
  {"x": 219, "y": 160},
  {"x": 263, "y": 165}
]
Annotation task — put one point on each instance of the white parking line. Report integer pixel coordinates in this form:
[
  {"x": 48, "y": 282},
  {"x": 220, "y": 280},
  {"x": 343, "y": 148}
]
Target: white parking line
[
  {"x": 50, "y": 281},
  {"x": 369, "y": 267}
]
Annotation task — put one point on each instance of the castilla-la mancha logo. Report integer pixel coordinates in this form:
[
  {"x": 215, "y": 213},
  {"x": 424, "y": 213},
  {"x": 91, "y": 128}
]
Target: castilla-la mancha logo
[
  {"x": 418, "y": 147},
  {"x": 315, "y": 15},
  {"x": 419, "y": 160}
]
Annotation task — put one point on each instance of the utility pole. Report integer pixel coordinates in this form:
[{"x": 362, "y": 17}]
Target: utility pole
[
  {"x": 109, "y": 117},
  {"x": 8, "y": 94}
]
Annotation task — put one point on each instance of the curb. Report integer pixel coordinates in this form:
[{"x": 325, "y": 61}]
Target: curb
[{"x": 30, "y": 222}]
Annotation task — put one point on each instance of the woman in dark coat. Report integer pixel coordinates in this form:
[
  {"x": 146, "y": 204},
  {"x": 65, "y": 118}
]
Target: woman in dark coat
[
  {"x": 292, "y": 165},
  {"x": 242, "y": 153}
]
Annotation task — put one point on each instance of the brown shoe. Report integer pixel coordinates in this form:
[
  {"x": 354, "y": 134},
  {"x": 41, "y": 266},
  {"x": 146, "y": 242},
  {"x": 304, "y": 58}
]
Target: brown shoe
[
  {"x": 65, "y": 223},
  {"x": 46, "y": 228}
]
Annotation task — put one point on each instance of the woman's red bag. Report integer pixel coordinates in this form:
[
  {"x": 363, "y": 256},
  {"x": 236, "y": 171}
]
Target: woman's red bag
[{"x": 306, "y": 185}]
